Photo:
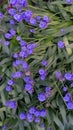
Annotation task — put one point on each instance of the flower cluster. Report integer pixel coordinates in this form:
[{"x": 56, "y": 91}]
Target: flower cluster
[
  {"x": 45, "y": 95},
  {"x": 42, "y": 73},
  {"x": 21, "y": 69},
  {"x": 33, "y": 114},
  {"x": 29, "y": 84},
  {"x": 33, "y": 83},
  {"x": 11, "y": 104},
  {"x": 28, "y": 16},
  {"x": 68, "y": 99},
  {"x": 68, "y": 96}
]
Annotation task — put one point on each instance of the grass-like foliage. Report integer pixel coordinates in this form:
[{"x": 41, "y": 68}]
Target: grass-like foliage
[{"x": 36, "y": 65}]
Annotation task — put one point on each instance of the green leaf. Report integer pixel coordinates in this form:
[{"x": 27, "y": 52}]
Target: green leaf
[
  {"x": 66, "y": 31},
  {"x": 2, "y": 87},
  {"x": 21, "y": 125},
  {"x": 69, "y": 51},
  {"x": 66, "y": 127},
  {"x": 58, "y": 122},
  {"x": 3, "y": 97},
  {"x": 26, "y": 98},
  {"x": 5, "y": 61},
  {"x": 62, "y": 110},
  {"x": 2, "y": 109}
]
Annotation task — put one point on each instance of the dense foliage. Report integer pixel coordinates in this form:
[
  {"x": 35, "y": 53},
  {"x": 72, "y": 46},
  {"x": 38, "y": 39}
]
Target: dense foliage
[{"x": 36, "y": 65}]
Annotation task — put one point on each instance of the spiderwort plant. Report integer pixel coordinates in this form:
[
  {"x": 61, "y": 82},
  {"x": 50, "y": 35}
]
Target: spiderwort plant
[{"x": 36, "y": 74}]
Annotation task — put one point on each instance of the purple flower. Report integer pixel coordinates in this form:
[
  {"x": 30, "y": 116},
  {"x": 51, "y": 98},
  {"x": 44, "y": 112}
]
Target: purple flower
[
  {"x": 4, "y": 127},
  {"x": 22, "y": 115},
  {"x": 37, "y": 113},
  {"x": 43, "y": 77},
  {"x": 28, "y": 14},
  {"x": 30, "y": 117},
  {"x": 15, "y": 55},
  {"x": 13, "y": 104},
  {"x": 72, "y": 76},
  {"x": 67, "y": 97},
  {"x": 24, "y": 3},
  {"x": 30, "y": 52},
  {"x": 17, "y": 74},
  {"x": 70, "y": 105},
  {"x": 10, "y": 82},
  {"x": 14, "y": 2},
  {"x": 37, "y": 120},
  {"x": 38, "y": 18},
  {"x": 65, "y": 89},
  {"x": 43, "y": 113},
  {"x": 43, "y": 25},
  {"x": 42, "y": 71},
  {"x": 62, "y": 30},
  {"x": 69, "y": 1},
  {"x": 18, "y": 38},
  {"x": 23, "y": 54},
  {"x": 47, "y": 89},
  {"x": 27, "y": 79},
  {"x": 19, "y": 8},
  {"x": 22, "y": 43},
  {"x": 28, "y": 87},
  {"x": 8, "y": 88},
  {"x": 46, "y": 19},
  {"x": 68, "y": 76},
  {"x": 7, "y": 103},
  {"x": 12, "y": 22},
  {"x": 32, "y": 110},
  {"x": 32, "y": 46},
  {"x": 31, "y": 91},
  {"x": 33, "y": 21},
  {"x": 7, "y": 43},
  {"x": 15, "y": 65},
  {"x": 8, "y": 36},
  {"x": 13, "y": 32},
  {"x": 42, "y": 97},
  {"x": 12, "y": 11},
  {"x": 18, "y": 17},
  {"x": 44, "y": 62},
  {"x": 24, "y": 48},
  {"x": 17, "y": 62},
  {"x": 32, "y": 30},
  {"x": 1, "y": 15},
  {"x": 61, "y": 44}
]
